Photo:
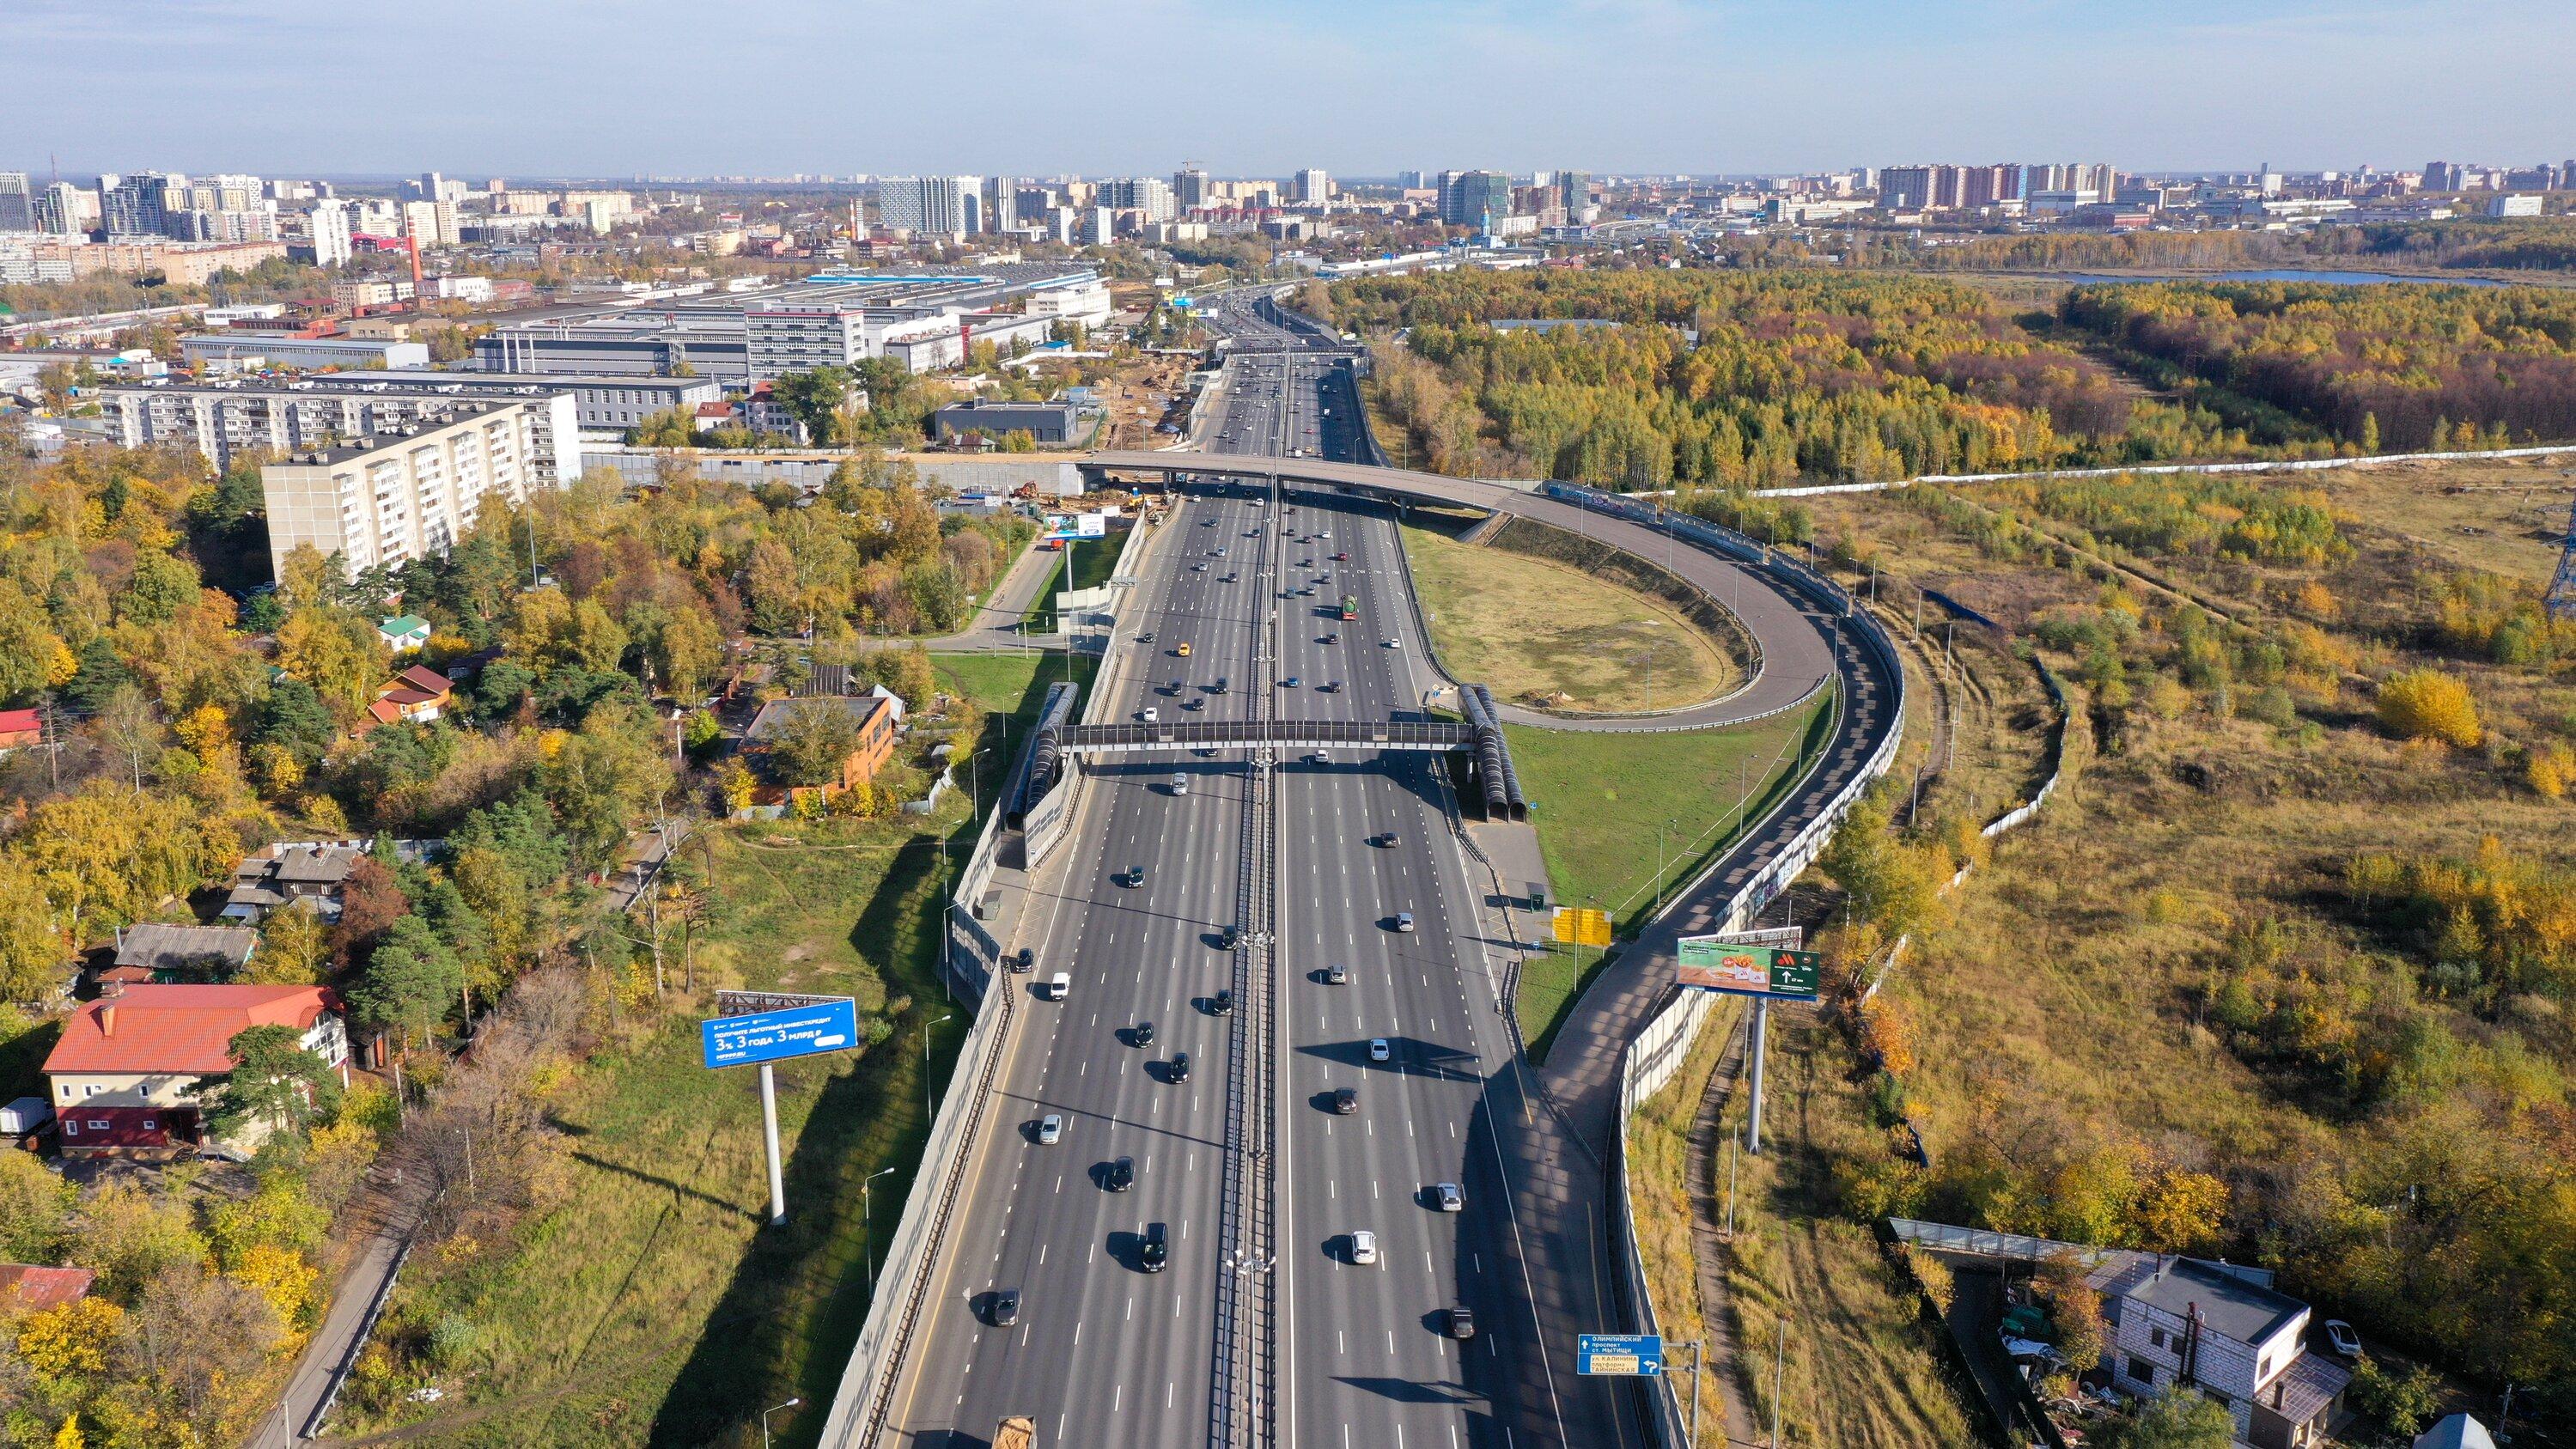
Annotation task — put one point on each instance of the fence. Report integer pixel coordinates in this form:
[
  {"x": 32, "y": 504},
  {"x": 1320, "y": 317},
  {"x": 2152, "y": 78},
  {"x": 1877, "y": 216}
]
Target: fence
[
  {"x": 861, "y": 1403},
  {"x": 2294, "y": 465},
  {"x": 2014, "y": 818}
]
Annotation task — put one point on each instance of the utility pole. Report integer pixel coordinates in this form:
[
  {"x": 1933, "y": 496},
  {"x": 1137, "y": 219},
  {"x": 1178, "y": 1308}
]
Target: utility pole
[
  {"x": 1779, "y": 1373},
  {"x": 769, "y": 1129}
]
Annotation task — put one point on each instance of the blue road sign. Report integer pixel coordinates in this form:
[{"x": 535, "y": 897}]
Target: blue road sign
[
  {"x": 1637, "y": 1354},
  {"x": 769, "y": 1036}
]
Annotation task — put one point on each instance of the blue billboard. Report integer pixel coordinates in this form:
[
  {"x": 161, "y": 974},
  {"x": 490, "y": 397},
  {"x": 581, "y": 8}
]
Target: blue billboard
[
  {"x": 768, "y": 1036},
  {"x": 1638, "y": 1354}
]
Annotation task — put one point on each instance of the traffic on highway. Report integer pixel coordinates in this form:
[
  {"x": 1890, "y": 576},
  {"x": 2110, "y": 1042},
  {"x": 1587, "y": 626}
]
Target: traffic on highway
[{"x": 1293, "y": 1223}]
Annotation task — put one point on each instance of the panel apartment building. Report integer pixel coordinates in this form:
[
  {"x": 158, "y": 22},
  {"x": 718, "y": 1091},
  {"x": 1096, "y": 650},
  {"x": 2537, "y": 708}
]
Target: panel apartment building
[
  {"x": 405, "y": 494},
  {"x": 227, "y": 420}
]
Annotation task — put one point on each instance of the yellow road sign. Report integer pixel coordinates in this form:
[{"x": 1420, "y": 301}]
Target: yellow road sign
[{"x": 1578, "y": 926}]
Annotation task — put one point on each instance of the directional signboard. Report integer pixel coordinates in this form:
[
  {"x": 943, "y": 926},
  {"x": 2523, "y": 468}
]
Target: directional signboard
[
  {"x": 820, "y": 1024},
  {"x": 1578, "y": 926},
  {"x": 1713, "y": 963},
  {"x": 1639, "y": 1355}
]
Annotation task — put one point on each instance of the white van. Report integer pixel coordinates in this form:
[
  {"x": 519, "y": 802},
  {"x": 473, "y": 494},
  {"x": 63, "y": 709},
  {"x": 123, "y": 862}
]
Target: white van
[{"x": 1059, "y": 985}]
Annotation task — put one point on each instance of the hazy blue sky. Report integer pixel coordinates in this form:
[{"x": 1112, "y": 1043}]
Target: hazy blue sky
[{"x": 617, "y": 87}]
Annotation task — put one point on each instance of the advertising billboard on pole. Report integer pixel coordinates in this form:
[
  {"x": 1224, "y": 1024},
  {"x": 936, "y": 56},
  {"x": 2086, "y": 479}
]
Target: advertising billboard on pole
[{"x": 1713, "y": 963}]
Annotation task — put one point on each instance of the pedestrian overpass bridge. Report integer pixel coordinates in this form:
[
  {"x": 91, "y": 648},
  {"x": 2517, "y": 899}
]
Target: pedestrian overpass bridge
[{"x": 1170, "y": 735}]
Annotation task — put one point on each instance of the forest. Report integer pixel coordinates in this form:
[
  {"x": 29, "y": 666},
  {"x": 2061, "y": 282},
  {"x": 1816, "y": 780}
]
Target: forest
[
  {"x": 191, "y": 726},
  {"x": 1736, "y": 379},
  {"x": 2397, "y": 367},
  {"x": 2533, "y": 244}
]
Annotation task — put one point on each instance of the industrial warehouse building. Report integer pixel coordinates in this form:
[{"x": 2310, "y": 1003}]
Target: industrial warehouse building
[{"x": 1048, "y": 422}]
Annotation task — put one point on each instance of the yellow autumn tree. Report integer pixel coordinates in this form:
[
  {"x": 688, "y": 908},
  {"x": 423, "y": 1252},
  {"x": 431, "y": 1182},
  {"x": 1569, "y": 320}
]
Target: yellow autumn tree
[
  {"x": 2427, "y": 704},
  {"x": 71, "y": 1339},
  {"x": 2180, "y": 1212}
]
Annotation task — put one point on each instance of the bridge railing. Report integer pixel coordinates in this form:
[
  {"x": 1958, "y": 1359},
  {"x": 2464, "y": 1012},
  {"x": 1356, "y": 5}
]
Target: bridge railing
[{"x": 1649, "y": 1061}]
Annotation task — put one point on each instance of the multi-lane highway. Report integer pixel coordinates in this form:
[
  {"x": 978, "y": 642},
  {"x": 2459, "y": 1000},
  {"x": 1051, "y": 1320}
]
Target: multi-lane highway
[{"x": 1100, "y": 1350}]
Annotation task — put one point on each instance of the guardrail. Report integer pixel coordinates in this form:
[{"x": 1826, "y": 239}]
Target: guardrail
[
  {"x": 1647, "y": 1063},
  {"x": 865, "y": 1397}
]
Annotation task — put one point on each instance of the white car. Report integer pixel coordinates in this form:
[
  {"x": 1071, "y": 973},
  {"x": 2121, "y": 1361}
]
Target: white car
[
  {"x": 1451, "y": 1199},
  {"x": 1363, "y": 1246},
  {"x": 2345, "y": 1341},
  {"x": 1060, "y": 985},
  {"x": 1050, "y": 1129},
  {"x": 1379, "y": 1050},
  {"x": 1394, "y": 643},
  {"x": 1150, "y": 715}
]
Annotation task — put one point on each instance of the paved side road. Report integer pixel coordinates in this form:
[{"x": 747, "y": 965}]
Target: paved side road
[{"x": 337, "y": 1340}]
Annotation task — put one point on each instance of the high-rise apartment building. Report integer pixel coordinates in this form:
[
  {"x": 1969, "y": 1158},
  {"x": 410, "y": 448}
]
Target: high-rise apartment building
[
  {"x": 130, "y": 206},
  {"x": 1150, "y": 195},
  {"x": 950, "y": 206},
  {"x": 1191, "y": 188},
  {"x": 329, "y": 223},
  {"x": 1314, "y": 187},
  {"x": 432, "y": 223},
  {"x": 223, "y": 421},
  {"x": 17, "y": 202},
  {"x": 1001, "y": 205},
  {"x": 404, "y": 494},
  {"x": 1474, "y": 198},
  {"x": 1574, "y": 193},
  {"x": 59, "y": 210}
]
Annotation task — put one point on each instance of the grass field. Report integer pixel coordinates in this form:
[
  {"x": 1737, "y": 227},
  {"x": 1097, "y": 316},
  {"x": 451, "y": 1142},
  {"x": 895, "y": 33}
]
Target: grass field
[
  {"x": 647, "y": 1304},
  {"x": 1084, "y": 564},
  {"x": 1594, "y": 646},
  {"x": 1860, "y": 1370},
  {"x": 1622, "y": 816}
]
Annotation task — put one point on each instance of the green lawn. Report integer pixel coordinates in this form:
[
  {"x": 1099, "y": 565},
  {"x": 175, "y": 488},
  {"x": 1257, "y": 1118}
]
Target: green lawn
[
  {"x": 1619, "y": 814},
  {"x": 1085, "y": 564}
]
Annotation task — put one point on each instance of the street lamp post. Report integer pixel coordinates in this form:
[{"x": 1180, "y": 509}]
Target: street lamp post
[
  {"x": 926, "y": 1108},
  {"x": 867, "y": 1228},
  {"x": 774, "y": 1409}
]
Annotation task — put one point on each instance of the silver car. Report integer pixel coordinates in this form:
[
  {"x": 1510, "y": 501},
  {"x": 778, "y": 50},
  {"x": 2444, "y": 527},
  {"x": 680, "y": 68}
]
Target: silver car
[{"x": 1050, "y": 1129}]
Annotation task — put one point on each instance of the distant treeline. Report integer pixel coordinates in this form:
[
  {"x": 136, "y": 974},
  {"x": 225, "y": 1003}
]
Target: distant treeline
[
  {"x": 2400, "y": 367},
  {"x": 1794, "y": 374},
  {"x": 2537, "y": 243}
]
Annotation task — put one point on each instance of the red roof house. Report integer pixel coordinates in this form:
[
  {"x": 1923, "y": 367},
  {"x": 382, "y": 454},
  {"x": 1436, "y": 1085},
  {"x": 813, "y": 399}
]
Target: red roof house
[
  {"x": 28, "y": 1288},
  {"x": 415, "y": 694},
  {"x": 125, "y": 1076},
  {"x": 20, "y": 728}
]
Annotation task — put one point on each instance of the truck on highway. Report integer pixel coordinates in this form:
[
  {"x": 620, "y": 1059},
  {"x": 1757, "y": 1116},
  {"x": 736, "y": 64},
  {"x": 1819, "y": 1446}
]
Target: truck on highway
[
  {"x": 1350, "y": 606},
  {"x": 1019, "y": 1431}
]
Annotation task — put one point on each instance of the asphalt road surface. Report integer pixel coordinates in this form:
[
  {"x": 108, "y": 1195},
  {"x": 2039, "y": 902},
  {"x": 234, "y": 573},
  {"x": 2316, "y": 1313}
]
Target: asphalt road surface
[{"x": 1102, "y": 1352}]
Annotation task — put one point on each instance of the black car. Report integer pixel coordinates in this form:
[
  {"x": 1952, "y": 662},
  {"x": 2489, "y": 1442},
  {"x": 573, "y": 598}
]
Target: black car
[
  {"x": 1462, "y": 1324},
  {"x": 1180, "y": 1066},
  {"x": 1157, "y": 1250},
  {"x": 1224, "y": 1003},
  {"x": 1144, "y": 1033},
  {"x": 1233, "y": 934},
  {"x": 1346, "y": 1101},
  {"x": 1134, "y": 877},
  {"x": 1145, "y": 638},
  {"x": 1122, "y": 1174},
  {"x": 1006, "y": 1308},
  {"x": 1026, "y": 960}
]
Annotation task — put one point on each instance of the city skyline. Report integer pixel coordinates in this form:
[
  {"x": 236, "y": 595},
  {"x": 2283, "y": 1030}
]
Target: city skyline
[{"x": 1046, "y": 87}]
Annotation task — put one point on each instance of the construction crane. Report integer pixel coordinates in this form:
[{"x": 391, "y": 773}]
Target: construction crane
[
  {"x": 410, "y": 244},
  {"x": 2561, "y": 602}
]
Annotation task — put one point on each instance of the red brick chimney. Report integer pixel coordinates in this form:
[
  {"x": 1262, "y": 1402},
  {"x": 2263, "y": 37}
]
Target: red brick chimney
[{"x": 107, "y": 1019}]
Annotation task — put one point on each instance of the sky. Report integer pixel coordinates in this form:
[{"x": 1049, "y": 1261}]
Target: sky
[{"x": 616, "y": 88}]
